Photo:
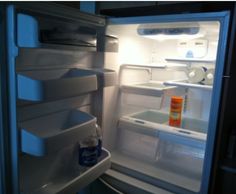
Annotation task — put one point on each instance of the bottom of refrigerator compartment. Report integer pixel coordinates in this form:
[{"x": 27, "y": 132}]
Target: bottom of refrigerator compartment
[
  {"x": 158, "y": 174},
  {"x": 114, "y": 182},
  {"x": 69, "y": 177}
]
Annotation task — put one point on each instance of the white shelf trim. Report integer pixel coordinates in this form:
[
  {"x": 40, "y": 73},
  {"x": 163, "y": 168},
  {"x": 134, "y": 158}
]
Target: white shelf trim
[
  {"x": 190, "y": 60},
  {"x": 187, "y": 85}
]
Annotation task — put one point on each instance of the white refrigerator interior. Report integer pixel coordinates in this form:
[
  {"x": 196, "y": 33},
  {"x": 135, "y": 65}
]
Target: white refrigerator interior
[{"x": 155, "y": 62}]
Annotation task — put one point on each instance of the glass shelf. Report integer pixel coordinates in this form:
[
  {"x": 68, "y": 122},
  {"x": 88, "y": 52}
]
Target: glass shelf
[
  {"x": 149, "y": 88},
  {"x": 188, "y": 85}
]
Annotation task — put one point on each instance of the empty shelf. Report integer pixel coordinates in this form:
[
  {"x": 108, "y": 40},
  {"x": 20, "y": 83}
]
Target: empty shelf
[
  {"x": 149, "y": 88},
  {"x": 188, "y": 85},
  {"x": 47, "y": 134},
  {"x": 191, "y": 60},
  {"x": 53, "y": 85},
  {"x": 70, "y": 179}
]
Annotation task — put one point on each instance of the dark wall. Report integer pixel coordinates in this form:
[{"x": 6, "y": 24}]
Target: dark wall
[{"x": 117, "y": 9}]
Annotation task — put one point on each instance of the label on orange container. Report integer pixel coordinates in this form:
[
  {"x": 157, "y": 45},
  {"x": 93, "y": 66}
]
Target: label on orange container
[{"x": 176, "y": 105}]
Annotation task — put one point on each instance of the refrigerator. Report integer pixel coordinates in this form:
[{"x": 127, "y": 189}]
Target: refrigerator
[{"x": 69, "y": 71}]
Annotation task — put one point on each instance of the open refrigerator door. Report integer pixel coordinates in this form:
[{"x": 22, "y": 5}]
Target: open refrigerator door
[{"x": 53, "y": 87}]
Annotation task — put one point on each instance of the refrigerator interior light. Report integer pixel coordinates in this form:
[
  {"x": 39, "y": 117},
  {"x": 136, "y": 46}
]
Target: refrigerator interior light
[
  {"x": 162, "y": 37},
  {"x": 160, "y": 32}
]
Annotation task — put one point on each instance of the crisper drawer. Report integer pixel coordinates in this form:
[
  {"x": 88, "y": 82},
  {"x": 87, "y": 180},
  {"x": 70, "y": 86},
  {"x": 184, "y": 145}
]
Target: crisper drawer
[
  {"x": 162, "y": 152},
  {"x": 178, "y": 155},
  {"x": 138, "y": 145},
  {"x": 151, "y": 140}
]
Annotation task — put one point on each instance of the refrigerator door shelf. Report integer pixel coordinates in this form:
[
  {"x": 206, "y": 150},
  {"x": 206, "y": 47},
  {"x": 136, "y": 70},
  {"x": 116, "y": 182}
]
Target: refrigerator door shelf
[
  {"x": 32, "y": 34},
  {"x": 47, "y": 85},
  {"x": 47, "y": 134},
  {"x": 72, "y": 178},
  {"x": 105, "y": 77},
  {"x": 150, "y": 88}
]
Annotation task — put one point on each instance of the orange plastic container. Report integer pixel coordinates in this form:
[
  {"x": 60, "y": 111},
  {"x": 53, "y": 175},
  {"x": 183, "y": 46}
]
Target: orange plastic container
[{"x": 176, "y": 105}]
